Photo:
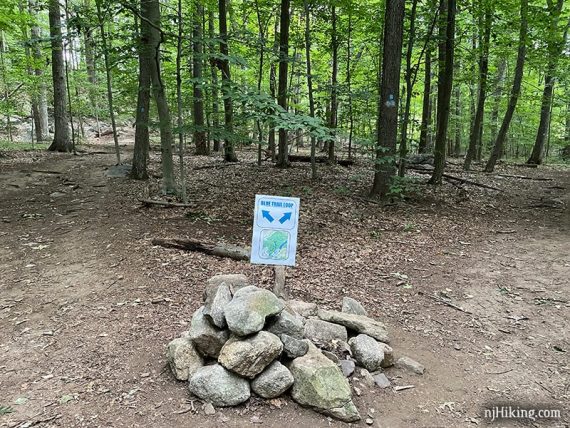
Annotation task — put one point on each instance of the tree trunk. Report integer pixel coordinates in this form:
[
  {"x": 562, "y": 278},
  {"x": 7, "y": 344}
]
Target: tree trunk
[
  {"x": 349, "y": 82},
  {"x": 515, "y": 91},
  {"x": 458, "y": 121},
  {"x": 39, "y": 98},
  {"x": 477, "y": 129},
  {"x": 215, "y": 101},
  {"x": 497, "y": 95},
  {"x": 61, "y": 141},
  {"x": 285, "y": 18},
  {"x": 262, "y": 32},
  {"x": 426, "y": 105},
  {"x": 334, "y": 86},
  {"x": 198, "y": 96},
  {"x": 387, "y": 125},
  {"x": 140, "y": 153},
  {"x": 180, "y": 121},
  {"x": 444, "y": 84},
  {"x": 273, "y": 90},
  {"x": 229, "y": 151},
  {"x": 310, "y": 84}
]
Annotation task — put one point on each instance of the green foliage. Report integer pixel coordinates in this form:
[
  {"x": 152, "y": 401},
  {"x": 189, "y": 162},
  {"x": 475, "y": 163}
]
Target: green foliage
[
  {"x": 4, "y": 410},
  {"x": 18, "y": 146},
  {"x": 403, "y": 187}
]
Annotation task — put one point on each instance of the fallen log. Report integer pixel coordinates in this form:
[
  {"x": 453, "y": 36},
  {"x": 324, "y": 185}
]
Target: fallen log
[
  {"x": 220, "y": 250},
  {"x": 525, "y": 177},
  {"x": 167, "y": 204},
  {"x": 459, "y": 179},
  {"x": 320, "y": 159},
  {"x": 104, "y": 133}
]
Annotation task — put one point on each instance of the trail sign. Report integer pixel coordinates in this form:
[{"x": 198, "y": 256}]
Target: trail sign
[{"x": 275, "y": 224}]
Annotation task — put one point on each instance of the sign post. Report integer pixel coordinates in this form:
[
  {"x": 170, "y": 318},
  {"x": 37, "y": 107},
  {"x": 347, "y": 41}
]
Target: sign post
[{"x": 275, "y": 224}]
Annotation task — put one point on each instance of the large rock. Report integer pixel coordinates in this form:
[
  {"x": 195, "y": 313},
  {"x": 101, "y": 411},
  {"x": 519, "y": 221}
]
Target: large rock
[
  {"x": 183, "y": 358},
  {"x": 304, "y": 309},
  {"x": 248, "y": 357},
  {"x": 207, "y": 338},
  {"x": 234, "y": 281},
  {"x": 215, "y": 304},
  {"x": 320, "y": 384},
  {"x": 367, "y": 352},
  {"x": 219, "y": 386},
  {"x": 352, "y": 306},
  {"x": 324, "y": 332},
  {"x": 410, "y": 364},
  {"x": 287, "y": 323},
  {"x": 247, "y": 311},
  {"x": 292, "y": 347},
  {"x": 274, "y": 381},
  {"x": 359, "y": 323}
]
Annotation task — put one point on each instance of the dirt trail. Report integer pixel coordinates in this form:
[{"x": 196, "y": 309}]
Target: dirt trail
[{"x": 87, "y": 304}]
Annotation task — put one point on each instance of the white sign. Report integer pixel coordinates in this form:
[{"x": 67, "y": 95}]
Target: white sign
[{"x": 275, "y": 224}]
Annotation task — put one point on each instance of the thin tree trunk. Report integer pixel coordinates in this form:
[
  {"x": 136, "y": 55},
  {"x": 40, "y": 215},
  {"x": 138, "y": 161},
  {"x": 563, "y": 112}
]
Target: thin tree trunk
[
  {"x": 497, "y": 95},
  {"x": 61, "y": 141},
  {"x": 179, "y": 103},
  {"x": 262, "y": 36},
  {"x": 310, "y": 84},
  {"x": 334, "y": 87},
  {"x": 458, "y": 119},
  {"x": 273, "y": 90},
  {"x": 229, "y": 151},
  {"x": 387, "y": 125},
  {"x": 285, "y": 19},
  {"x": 39, "y": 98},
  {"x": 445, "y": 85},
  {"x": 515, "y": 91},
  {"x": 349, "y": 81},
  {"x": 198, "y": 98},
  {"x": 426, "y": 105},
  {"x": 5, "y": 83},
  {"x": 215, "y": 100}
]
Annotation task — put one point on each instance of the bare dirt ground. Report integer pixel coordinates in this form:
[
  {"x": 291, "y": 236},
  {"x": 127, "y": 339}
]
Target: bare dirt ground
[{"x": 87, "y": 304}]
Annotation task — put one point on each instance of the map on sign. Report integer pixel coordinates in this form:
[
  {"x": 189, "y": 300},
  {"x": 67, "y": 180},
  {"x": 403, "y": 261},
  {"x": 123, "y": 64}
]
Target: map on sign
[{"x": 275, "y": 224}]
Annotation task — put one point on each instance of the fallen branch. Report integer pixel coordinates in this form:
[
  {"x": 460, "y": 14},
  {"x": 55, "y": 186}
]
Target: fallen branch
[
  {"x": 459, "y": 179},
  {"x": 526, "y": 165},
  {"x": 217, "y": 165},
  {"x": 167, "y": 204},
  {"x": 220, "y": 250},
  {"x": 446, "y": 302},
  {"x": 104, "y": 133},
  {"x": 525, "y": 177},
  {"x": 320, "y": 159}
]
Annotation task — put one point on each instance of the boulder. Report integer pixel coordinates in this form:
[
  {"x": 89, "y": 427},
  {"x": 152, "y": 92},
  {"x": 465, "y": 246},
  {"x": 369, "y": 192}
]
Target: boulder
[
  {"x": 367, "y": 352},
  {"x": 324, "y": 332},
  {"x": 248, "y": 357},
  {"x": 287, "y": 323},
  {"x": 215, "y": 304},
  {"x": 219, "y": 386},
  {"x": 304, "y": 309},
  {"x": 273, "y": 381},
  {"x": 359, "y": 323},
  {"x": 320, "y": 384},
  {"x": 388, "y": 360},
  {"x": 183, "y": 358},
  {"x": 292, "y": 347},
  {"x": 207, "y": 338},
  {"x": 352, "y": 306},
  {"x": 247, "y": 311},
  {"x": 233, "y": 281},
  {"x": 411, "y": 365}
]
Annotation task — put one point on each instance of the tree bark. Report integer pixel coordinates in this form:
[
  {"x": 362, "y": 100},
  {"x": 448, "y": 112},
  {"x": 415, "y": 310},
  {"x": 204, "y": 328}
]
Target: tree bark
[
  {"x": 515, "y": 91},
  {"x": 310, "y": 85},
  {"x": 273, "y": 90},
  {"x": 444, "y": 84},
  {"x": 387, "y": 125},
  {"x": 334, "y": 86},
  {"x": 426, "y": 105},
  {"x": 179, "y": 119},
  {"x": 39, "y": 98},
  {"x": 497, "y": 95},
  {"x": 285, "y": 18},
  {"x": 214, "y": 77},
  {"x": 198, "y": 95}
]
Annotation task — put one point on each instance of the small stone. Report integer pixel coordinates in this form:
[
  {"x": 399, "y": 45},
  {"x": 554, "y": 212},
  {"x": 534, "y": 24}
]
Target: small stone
[
  {"x": 359, "y": 323},
  {"x": 249, "y": 356},
  {"x": 382, "y": 381},
  {"x": 457, "y": 347},
  {"x": 182, "y": 358},
  {"x": 324, "y": 332},
  {"x": 347, "y": 367},
  {"x": 292, "y": 347},
  {"x": 287, "y": 323},
  {"x": 217, "y": 299},
  {"x": 207, "y": 338},
  {"x": 369, "y": 421},
  {"x": 274, "y": 381},
  {"x": 367, "y": 378},
  {"x": 219, "y": 386},
  {"x": 367, "y": 352},
  {"x": 408, "y": 364},
  {"x": 331, "y": 356},
  {"x": 352, "y": 306},
  {"x": 357, "y": 390},
  {"x": 388, "y": 360},
  {"x": 209, "y": 410},
  {"x": 304, "y": 309}
]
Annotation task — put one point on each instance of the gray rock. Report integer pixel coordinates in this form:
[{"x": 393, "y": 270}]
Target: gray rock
[
  {"x": 360, "y": 323},
  {"x": 367, "y": 352},
  {"x": 324, "y": 332},
  {"x": 247, "y": 311},
  {"x": 234, "y": 281},
  {"x": 292, "y": 347},
  {"x": 382, "y": 381},
  {"x": 320, "y": 384},
  {"x": 347, "y": 367},
  {"x": 183, "y": 358},
  {"x": 217, "y": 299},
  {"x": 209, "y": 409},
  {"x": 219, "y": 386},
  {"x": 367, "y": 378},
  {"x": 274, "y": 381},
  {"x": 304, "y": 309},
  {"x": 352, "y": 306},
  {"x": 388, "y": 360},
  {"x": 331, "y": 356},
  {"x": 287, "y": 323},
  {"x": 408, "y": 364},
  {"x": 248, "y": 357},
  {"x": 207, "y": 338}
]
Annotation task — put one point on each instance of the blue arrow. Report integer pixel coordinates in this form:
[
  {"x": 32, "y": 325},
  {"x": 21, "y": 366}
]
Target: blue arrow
[
  {"x": 286, "y": 216},
  {"x": 266, "y": 215}
]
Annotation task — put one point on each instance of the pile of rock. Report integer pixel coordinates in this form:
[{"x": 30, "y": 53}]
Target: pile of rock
[{"x": 246, "y": 339}]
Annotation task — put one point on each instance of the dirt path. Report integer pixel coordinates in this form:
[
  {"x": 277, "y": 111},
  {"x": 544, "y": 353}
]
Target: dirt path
[{"x": 87, "y": 304}]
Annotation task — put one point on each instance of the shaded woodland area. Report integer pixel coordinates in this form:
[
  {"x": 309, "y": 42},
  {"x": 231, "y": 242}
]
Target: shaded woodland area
[{"x": 379, "y": 81}]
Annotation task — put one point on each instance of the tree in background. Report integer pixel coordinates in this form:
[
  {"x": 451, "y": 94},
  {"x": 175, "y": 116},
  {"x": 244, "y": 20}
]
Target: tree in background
[{"x": 285, "y": 19}]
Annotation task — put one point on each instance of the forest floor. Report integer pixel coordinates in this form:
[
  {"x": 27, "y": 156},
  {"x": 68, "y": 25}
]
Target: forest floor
[{"x": 87, "y": 304}]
